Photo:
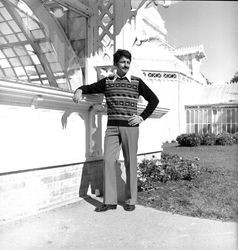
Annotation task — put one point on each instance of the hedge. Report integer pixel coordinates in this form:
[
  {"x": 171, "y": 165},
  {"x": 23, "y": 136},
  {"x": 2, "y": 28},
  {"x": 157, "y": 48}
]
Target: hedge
[{"x": 193, "y": 139}]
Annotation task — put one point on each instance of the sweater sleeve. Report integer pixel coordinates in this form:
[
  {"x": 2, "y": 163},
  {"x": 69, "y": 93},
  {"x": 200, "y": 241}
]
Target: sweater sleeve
[
  {"x": 94, "y": 88},
  {"x": 150, "y": 97}
]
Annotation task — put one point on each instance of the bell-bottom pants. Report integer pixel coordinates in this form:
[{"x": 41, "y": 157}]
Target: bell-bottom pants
[{"x": 115, "y": 139}]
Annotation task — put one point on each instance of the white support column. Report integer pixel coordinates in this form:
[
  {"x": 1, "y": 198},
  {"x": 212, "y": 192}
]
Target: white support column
[
  {"x": 122, "y": 16},
  {"x": 94, "y": 132},
  {"x": 91, "y": 75}
]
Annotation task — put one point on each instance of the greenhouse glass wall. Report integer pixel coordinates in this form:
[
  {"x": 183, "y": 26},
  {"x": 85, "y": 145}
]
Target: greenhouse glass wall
[{"x": 212, "y": 119}]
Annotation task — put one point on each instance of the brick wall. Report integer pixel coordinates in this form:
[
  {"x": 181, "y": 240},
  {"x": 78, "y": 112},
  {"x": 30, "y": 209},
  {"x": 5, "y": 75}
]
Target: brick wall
[{"x": 27, "y": 193}]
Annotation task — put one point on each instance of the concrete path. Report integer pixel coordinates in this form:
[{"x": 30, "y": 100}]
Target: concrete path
[{"x": 77, "y": 226}]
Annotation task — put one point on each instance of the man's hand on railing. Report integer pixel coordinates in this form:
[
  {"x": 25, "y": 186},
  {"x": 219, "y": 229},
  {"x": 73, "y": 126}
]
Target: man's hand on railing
[{"x": 78, "y": 96}]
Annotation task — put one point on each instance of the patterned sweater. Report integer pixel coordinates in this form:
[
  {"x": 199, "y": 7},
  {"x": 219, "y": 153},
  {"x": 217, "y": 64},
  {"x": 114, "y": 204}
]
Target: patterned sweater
[{"x": 122, "y": 97}]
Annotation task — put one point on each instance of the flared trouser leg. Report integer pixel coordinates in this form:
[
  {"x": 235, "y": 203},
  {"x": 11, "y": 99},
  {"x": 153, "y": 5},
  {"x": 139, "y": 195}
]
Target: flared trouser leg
[
  {"x": 112, "y": 143},
  {"x": 115, "y": 137},
  {"x": 129, "y": 138}
]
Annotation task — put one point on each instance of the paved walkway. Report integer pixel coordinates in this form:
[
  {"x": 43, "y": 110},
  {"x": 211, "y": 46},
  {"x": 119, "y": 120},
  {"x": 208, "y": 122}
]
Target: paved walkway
[{"x": 77, "y": 226}]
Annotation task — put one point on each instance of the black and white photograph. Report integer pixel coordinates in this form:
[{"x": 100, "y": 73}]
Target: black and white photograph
[{"x": 118, "y": 125}]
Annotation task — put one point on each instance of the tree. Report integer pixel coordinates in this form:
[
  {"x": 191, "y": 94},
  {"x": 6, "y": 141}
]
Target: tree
[{"x": 235, "y": 78}]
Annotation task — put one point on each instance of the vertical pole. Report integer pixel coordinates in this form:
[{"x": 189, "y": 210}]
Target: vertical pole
[
  {"x": 122, "y": 10},
  {"x": 179, "y": 108},
  {"x": 91, "y": 75}
]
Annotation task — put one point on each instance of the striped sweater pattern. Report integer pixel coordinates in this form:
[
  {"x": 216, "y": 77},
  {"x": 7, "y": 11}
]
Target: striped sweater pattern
[{"x": 122, "y": 97}]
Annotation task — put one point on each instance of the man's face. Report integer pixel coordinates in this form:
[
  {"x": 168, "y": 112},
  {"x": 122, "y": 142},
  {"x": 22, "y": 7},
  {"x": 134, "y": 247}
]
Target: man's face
[{"x": 123, "y": 66}]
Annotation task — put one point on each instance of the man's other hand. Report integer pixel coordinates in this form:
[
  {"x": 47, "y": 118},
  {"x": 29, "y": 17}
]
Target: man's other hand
[
  {"x": 78, "y": 96},
  {"x": 135, "y": 120}
]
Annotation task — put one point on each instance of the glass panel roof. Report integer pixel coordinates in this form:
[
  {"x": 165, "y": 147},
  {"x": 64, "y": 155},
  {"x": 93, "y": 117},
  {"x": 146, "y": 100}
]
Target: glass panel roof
[
  {"x": 4, "y": 63},
  {"x": 5, "y": 13},
  {"x": 14, "y": 26},
  {"x": 26, "y": 52},
  {"x": 15, "y": 62},
  {"x": 5, "y": 29}
]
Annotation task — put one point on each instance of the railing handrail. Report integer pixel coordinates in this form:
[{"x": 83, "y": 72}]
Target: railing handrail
[{"x": 66, "y": 165}]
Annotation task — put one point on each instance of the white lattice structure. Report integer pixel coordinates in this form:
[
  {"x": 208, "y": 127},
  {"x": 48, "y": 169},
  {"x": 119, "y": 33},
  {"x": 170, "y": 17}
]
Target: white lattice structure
[{"x": 105, "y": 30}]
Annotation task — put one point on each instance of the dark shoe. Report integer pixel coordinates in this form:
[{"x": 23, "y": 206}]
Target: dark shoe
[
  {"x": 105, "y": 207},
  {"x": 128, "y": 207}
]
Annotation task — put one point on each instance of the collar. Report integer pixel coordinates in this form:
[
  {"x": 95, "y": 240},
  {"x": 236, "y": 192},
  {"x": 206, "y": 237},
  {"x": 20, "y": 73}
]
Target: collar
[{"x": 128, "y": 76}]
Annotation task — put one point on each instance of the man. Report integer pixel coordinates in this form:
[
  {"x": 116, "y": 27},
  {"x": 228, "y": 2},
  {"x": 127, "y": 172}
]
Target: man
[{"x": 122, "y": 91}]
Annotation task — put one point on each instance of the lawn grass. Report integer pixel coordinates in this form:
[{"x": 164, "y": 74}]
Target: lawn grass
[{"x": 213, "y": 194}]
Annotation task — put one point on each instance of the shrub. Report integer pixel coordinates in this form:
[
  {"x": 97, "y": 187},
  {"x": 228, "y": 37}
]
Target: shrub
[
  {"x": 224, "y": 139},
  {"x": 208, "y": 139},
  {"x": 182, "y": 139},
  {"x": 235, "y": 138},
  {"x": 169, "y": 168},
  {"x": 189, "y": 140}
]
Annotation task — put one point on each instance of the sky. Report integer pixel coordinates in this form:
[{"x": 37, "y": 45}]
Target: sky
[{"x": 211, "y": 23}]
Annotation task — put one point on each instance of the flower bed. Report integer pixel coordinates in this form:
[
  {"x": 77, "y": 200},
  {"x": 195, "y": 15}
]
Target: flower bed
[
  {"x": 169, "y": 168},
  {"x": 211, "y": 194}
]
